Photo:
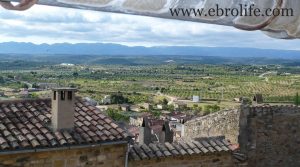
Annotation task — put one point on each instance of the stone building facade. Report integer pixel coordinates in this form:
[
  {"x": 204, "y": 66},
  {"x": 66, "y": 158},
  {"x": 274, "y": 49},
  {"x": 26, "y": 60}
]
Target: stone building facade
[
  {"x": 270, "y": 135},
  {"x": 220, "y": 160},
  {"x": 223, "y": 123},
  {"x": 98, "y": 156}
]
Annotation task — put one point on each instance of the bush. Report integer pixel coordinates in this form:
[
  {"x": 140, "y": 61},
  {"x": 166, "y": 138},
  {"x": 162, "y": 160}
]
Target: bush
[
  {"x": 207, "y": 109},
  {"x": 117, "y": 115}
]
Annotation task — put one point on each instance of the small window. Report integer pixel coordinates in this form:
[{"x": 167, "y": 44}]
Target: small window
[
  {"x": 54, "y": 95},
  {"x": 62, "y": 94},
  {"x": 69, "y": 95}
]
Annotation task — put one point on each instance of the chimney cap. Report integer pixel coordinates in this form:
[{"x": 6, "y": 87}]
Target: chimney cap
[{"x": 65, "y": 89}]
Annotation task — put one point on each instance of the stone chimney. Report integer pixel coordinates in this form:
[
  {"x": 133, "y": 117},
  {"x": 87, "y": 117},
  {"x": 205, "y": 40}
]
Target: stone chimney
[
  {"x": 145, "y": 132},
  {"x": 63, "y": 108},
  {"x": 167, "y": 133}
]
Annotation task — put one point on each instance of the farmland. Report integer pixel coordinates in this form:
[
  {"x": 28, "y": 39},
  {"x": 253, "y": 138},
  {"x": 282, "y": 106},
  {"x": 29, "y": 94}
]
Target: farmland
[{"x": 140, "y": 83}]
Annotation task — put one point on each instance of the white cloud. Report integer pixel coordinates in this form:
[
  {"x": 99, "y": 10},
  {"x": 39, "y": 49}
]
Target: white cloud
[{"x": 43, "y": 24}]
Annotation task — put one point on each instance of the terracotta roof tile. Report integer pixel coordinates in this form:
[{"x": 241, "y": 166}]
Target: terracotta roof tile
[
  {"x": 26, "y": 124},
  {"x": 182, "y": 148}
]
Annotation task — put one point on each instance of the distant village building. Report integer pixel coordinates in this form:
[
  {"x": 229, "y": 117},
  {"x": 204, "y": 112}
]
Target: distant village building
[
  {"x": 47, "y": 85},
  {"x": 177, "y": 121},
  {"x": 91, "y": 101},
  {"x": 153, "y": 131},
  {"x": 179, "y": 105},
  {"x": 106, "y": 100},
  {"x": 196, "y": 99},
  {"x": 102, "y": 107},
  {"x": 238, "y": 99},
  {"x": 67, "y": 64},
  {"x": 24, "y": 94},
  {"x": 33, "y": 89},
  {"x": 146, "y": 106},
  {"x": 136, "y": 121},
  {"x": 160, "y": 106},
  {"x": 125, "y": 107},
  {"x": 135, "y": 108},
  {"x": 258, "y": 98}
]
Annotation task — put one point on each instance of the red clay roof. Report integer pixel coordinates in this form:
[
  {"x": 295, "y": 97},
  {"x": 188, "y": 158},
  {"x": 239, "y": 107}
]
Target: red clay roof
[
  {"x": 26, "y": 125},
  {"x": 181, "y": 148}
]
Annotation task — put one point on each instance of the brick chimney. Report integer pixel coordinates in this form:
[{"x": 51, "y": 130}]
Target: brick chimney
[{"x": 63, "y": 108}]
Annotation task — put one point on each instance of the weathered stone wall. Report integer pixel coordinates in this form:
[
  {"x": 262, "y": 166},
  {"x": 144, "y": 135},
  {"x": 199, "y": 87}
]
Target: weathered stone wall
[
  {"x": 223, "y": 123},
  {"x": 102, "y": 156},
  {"x": 212, "y": 160},
  {"x": 270, "y": 136}
]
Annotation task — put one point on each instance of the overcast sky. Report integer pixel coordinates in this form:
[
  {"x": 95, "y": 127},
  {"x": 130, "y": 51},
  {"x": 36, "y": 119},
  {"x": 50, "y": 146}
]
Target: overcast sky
[{"x": 43, "y": 24}]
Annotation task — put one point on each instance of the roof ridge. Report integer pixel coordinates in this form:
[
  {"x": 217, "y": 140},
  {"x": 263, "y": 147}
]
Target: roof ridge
[
  {"x": 180, "y": 148},
  {"x": 12, "y": 101}
]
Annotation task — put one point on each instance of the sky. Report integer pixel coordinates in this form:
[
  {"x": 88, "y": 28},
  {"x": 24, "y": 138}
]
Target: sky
[{"x": 43, "y": 24}]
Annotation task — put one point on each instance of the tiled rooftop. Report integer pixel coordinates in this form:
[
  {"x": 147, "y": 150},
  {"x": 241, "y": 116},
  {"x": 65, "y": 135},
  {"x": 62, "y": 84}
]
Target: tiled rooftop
[
  {"x": 182, "y": 148},
  {"x": 26, "y": 125}
]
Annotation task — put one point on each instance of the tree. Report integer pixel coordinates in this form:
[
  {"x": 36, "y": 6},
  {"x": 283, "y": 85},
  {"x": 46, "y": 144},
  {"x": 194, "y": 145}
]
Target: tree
[
  {"x": 211, "y": 109},
  {"x": 23, "y": 85},
  {"x": 117, "y": 115},
  {"x": 2, "y": 80},
  {"x": 246, "y": 101},
  {"x": 165, "y": 101},
  {"x": 34, "y": 85},
  {"x": 171, "y": 107},
  {"x": 75, "y": 74},
  {"x": 118, "y": 98},
  {"x": 156, "y": 114},
  {"x": 34, "y": 95}
]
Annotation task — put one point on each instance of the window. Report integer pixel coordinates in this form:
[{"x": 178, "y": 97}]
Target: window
[
  {"x": 54, "y": 95},
  {"x": 70, "y": 95},
  {"x": 62, "y": 94}
]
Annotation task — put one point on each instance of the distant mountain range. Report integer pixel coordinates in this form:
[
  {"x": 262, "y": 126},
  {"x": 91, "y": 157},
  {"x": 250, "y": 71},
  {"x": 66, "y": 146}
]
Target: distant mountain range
[{"x": 122, "y": 50}]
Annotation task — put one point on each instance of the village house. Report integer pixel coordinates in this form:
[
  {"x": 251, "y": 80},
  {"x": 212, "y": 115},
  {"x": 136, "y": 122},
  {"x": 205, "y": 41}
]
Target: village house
[
  {"x": 146, "y": 106},
  {"x": 178, "y": 117},
  {"x": 258, "y": 99},
  {"x": 64, "y": 131},
  {"x": 155, "y": 131},
  {"x": 196, "y": 99},
  {"x": 161, "y": 107},
  {"x": 125, "y": 107},
  {"x": 46, "y": 85},
  {"x": 24, "y": 94},
  {"x": 135, "y": 108},
  {"x": 102, "y": 107},
  {"x": 136, "y": 121},
  {"x": 180, "y": 105},
  {"x": 91, "y": 101},
  {"x": 106, "y": 100}
]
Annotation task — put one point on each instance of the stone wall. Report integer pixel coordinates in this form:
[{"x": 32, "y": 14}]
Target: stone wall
[
  {"x": 102, "y": 156},
  {"x": 270, "y": 136},
  {"x": 212, "y": 160},
  {"x": 223, "y": 123}
]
